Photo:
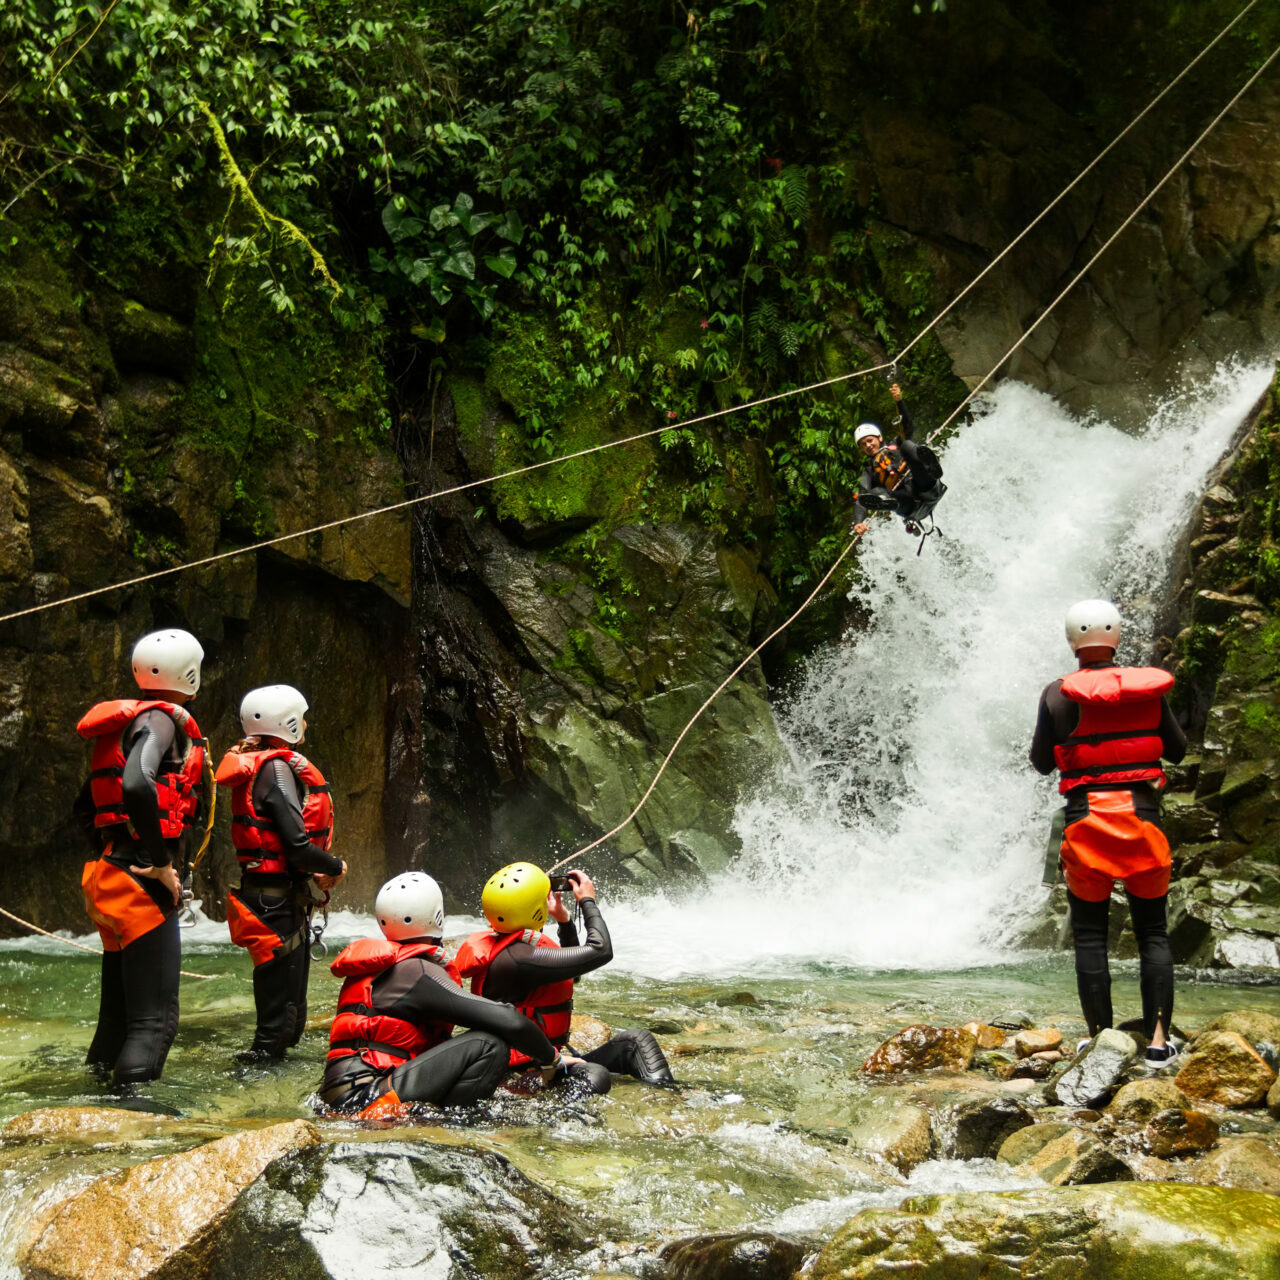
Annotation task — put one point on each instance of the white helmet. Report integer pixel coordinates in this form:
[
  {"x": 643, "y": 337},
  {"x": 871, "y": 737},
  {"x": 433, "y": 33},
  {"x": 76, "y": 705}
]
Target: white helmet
[
  {"x": 275, "y": 709},
  {"x": 168, "y": 662},
  {"x": 1093, "y": 622},
  {"x": 866, "y": 429},
  {"x": 409, "y": 906}
]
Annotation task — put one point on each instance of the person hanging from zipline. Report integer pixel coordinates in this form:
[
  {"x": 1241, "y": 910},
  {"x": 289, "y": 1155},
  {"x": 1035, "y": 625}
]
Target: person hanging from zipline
[{"x": 903, "y": 477}]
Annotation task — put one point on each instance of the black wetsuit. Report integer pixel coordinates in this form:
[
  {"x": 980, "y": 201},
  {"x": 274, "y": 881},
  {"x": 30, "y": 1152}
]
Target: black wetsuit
[
  {"x": 522, "y": 967},
  {"x": 463, "y": 1069},
  {"x": 284, "y": 904},
  {"x": 914, "y": 488},
  {"x": 138, "y": 1007},
  {"x": 1056, "y": 720}
]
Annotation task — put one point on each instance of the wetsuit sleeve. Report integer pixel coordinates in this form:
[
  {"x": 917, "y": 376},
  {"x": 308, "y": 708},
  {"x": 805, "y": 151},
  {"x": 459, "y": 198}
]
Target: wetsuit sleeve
[
  {"x": 905, "y": 421},
  {"x": 568, "y": 934},
  {"x": 523, "y": 965},
  {"x": 421, "y": 991},
  {"x": 83, "y": 812},
  {"x": 1171, "y": 735},
  {"x": 275, "y": 796},
  {"x": 151, "y": 737},
  {"x": 1045, "y": 737}
]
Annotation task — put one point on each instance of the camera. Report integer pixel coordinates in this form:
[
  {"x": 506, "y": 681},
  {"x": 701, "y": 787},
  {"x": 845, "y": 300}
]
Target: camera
[{"x": 561, "y": 884}]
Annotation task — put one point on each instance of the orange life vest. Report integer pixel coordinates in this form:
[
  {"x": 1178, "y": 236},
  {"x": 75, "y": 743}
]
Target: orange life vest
[
  {"x": 256, "y": 840},
  {"x": 888, "y": 467},
  {"x": 550, "y": 1006},
  {"x": 1118, "y": 737},
  {"x": 383, "y": 1041},
  {"x": 177, "y": 790}
]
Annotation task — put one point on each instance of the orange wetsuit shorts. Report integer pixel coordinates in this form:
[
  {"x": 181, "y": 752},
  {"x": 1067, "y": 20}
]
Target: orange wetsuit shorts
[{"x": 1112, "y": 842}]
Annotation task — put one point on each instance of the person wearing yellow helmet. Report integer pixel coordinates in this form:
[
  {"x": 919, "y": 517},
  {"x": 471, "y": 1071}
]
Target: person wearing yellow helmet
[{"x": 515, "y": 962}]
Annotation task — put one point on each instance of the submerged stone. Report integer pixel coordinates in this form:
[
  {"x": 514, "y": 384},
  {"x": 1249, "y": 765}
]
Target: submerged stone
[
  {"x": 898, "y": 1132},
  {"x": 923, "y": 1048},
  {"x": 1179, "y": 1133},
  {"x": 1093, "y": 1077},
  {"x": 1063, "y": 1155},
  {"x": 979, "y": 1128},
  {"x": 1129, "y": 1231},
  {"x": 1223, "y": 1067},
  {"x": 746, "y": 1255}
]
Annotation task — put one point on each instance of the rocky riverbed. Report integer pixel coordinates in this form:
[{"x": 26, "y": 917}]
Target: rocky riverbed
[{"x": 855, "y": 1122}]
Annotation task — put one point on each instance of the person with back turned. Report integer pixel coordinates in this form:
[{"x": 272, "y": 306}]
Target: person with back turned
[
  {"x": 1106, "y": 728},
  {"x": 138, "y": 807},
  {"x": 513, "y": 960},
  {"x": 282, "y": 830},
  {"x": 392, "y": 1040}
]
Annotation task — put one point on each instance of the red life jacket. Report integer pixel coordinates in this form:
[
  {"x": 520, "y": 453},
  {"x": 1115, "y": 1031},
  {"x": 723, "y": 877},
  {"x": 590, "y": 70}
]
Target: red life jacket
[
  {"x": 888, "y": 467},
  {"x": 550, "y": 1006},
  {"x": 382, "y": 1041},
  {"x": 1118, "y": 737},
  {"x": 177, "y": 791},
  {"x": 256, "y": 839}
]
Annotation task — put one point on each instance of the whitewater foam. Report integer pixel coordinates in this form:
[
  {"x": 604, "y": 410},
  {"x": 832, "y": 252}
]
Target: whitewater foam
[{"x": 907, "y": 829}]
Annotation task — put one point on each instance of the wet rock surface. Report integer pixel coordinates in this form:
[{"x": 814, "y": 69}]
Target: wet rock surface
[
  {"x": 157, "y": 1219},
  {"x": 898, "y": 1132},
  {"x": 1223, "y": 1067},
  {"x": 1246, "y": 1163},
  {"x": 1179, "y": 1133},
  {"x": 1123, "y": 1232},
  {"x": 1096, "y": 1072},
  {"x": 1139, "y": 1100},
  {"x": 1063, "y": 1155},
  {"x": 923, "y": 1048},
  {"x": 395, "y": 1210}
]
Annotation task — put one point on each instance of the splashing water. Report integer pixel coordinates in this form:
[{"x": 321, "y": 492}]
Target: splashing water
[{"x": 907, "y": 830}]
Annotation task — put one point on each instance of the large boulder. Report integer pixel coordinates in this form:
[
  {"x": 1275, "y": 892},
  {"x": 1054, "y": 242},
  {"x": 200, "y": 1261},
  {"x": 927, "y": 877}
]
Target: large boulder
[
  {"x": 102, "y": 1125},
  {"x": 978, "y": 1128},
  {"x": 1129, "y": 1231},
  {"x": 1062, "y": 1155},
  {"x": 923, "y": 1048},
  {"x": 1223, "y": 1067},
  {"x": 397, "y": 1211},
  {"x": 1093, "y": 1077},
  {"x": 1246, "y": 1163},
  {"x": 157, "y": 1219}
]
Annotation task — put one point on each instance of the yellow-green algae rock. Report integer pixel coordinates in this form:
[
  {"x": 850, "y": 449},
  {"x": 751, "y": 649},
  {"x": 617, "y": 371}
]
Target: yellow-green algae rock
[{"x": 1128, "y": 1231}]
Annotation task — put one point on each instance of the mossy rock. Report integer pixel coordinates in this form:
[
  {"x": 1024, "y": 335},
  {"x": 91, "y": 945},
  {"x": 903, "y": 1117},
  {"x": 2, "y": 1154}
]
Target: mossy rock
[{"x": 1123, "y": 1231}]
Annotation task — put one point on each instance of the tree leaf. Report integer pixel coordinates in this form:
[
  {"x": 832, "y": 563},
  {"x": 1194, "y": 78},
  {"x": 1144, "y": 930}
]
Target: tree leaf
[
  {"x": 502, "y": 265},
  {"x": 461, "y": 262}
]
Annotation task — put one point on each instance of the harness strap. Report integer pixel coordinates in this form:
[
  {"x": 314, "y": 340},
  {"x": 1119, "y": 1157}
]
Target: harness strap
[
  {"x": 1098, "y": 770},
  {"x": 376, "y": 1046},
  {"x": 1114, "y": 736}
]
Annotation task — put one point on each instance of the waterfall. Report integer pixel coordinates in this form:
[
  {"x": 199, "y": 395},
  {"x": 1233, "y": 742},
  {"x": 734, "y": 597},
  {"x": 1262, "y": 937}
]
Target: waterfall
[{"x": 908, "y": 829}]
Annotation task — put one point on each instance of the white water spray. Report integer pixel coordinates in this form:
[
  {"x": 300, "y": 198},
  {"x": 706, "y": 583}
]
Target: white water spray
[{"x": 908, "y": 829}]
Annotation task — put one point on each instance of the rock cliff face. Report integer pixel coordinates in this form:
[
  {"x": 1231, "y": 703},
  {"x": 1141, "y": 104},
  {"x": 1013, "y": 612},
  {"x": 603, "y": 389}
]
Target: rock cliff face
[{"x": 108, "y": 470}]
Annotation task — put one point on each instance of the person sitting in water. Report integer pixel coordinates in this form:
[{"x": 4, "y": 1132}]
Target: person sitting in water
[
  {"x": 514, "y": 961},
  {"x": 1105, "y": 729},
  {"x": 904, "y": 477},
  {"x": 392, "y": 1040}
]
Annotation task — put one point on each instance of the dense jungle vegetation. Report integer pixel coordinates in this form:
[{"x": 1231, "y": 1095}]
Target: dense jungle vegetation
[{"x": 619, "y": 213}]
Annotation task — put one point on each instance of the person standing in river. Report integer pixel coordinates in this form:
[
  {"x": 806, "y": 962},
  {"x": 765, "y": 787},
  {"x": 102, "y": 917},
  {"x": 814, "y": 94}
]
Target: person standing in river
[
  {"x": 514, "y": 961},
  {"x": 137, "y": 808},
  {"x": 282, "y": 830},
  {"x": 1106, "y": 728}
]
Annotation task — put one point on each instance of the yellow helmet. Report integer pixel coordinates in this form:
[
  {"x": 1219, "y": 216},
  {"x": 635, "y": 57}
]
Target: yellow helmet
[{"x": 516, "y": 898}]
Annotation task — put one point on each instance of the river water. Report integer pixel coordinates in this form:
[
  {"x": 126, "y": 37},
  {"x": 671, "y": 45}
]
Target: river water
[{"x": 882, "y": 880}]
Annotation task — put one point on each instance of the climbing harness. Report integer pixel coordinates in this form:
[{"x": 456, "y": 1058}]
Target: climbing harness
[{"x": 887, "y": 365}]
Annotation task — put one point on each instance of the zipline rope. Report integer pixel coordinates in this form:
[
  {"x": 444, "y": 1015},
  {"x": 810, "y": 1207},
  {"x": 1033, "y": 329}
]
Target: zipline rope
[
  {"x": 662, "y": 768},
  {"x": 80, "y": 946},
  {"x": 656, "y": 431}
]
